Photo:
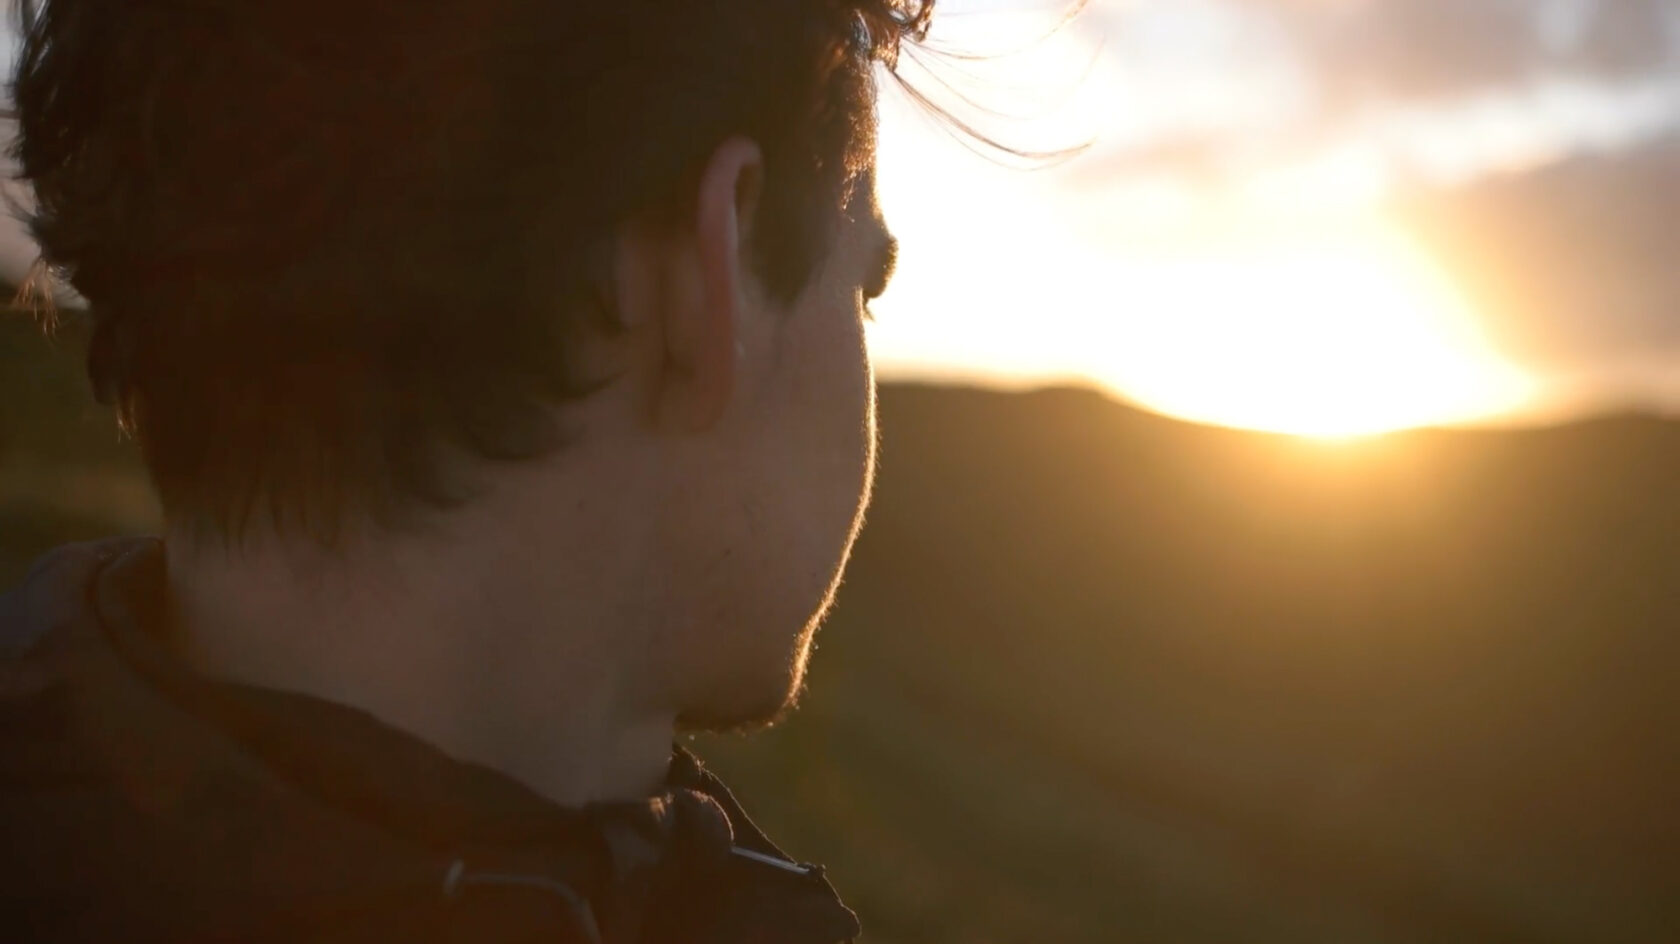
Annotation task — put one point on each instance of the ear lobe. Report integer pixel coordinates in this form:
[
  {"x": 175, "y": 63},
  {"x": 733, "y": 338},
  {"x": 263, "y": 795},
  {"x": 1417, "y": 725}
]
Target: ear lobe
[{"x": 703, "y": 315}]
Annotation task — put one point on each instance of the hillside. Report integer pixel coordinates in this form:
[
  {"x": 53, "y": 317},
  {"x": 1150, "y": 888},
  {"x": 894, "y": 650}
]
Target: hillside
[{"x": 1098, "y": 675}]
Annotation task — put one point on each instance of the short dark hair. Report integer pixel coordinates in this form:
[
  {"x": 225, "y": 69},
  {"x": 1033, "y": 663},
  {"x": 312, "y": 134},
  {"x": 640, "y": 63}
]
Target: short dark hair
[{"x": 321, "y": 241}]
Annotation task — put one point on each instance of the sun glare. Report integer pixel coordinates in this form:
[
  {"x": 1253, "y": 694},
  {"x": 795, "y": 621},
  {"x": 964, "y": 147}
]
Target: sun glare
[
  {"x": 1336, "y": 331},
  {"x": 1343, "y": 334},
  {"x": 1285, "y": 302},
  {"x": 1317, "y": 321},
  {"x": 1351, "y": 331}
]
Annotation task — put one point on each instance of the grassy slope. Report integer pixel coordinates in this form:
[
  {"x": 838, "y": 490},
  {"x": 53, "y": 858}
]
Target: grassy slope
[{"x": 1098, "y": 675}]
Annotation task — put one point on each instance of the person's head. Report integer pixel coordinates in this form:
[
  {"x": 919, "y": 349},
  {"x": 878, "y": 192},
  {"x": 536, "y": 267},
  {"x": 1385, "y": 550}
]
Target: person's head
[{"x": 366, "y": 269}]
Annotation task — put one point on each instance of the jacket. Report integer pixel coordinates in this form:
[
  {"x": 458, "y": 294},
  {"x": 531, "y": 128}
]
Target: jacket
[{"x": 140, "y": 801}]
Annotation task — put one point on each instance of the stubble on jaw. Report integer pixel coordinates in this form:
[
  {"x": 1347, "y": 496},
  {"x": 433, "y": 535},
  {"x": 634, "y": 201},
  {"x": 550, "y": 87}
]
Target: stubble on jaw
[{"x": 772, "y": 709}]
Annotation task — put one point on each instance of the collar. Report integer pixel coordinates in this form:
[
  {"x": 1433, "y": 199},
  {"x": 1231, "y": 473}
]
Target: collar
[{"x": 331, "y": 806}]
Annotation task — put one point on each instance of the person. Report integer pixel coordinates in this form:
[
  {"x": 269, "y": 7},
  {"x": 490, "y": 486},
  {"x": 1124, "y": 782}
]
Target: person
[{"x": 499, "y": 368}]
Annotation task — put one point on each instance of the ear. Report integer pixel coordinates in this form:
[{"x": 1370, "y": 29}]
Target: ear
[{"x": 688, "y": 286}]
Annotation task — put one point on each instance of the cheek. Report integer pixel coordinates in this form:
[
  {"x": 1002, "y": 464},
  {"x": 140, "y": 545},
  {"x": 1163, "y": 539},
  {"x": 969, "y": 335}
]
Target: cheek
[
  {"x": 846, "y": 402},
  {"x": 827, "y": 420},
  {"x": 871, "y": 431},
  {"x": 851, "y": 452}
]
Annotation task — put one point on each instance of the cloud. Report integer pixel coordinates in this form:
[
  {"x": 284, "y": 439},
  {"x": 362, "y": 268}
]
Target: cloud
[
  {"x": 1364, "y": 51},
  {"x": 1209, "y": 78},
  {"x": 1619, "y": 37},
  {"x": 1570, "y": 265},
  {"x": 1375, "y": 49},
  {"x": 1532, "y": 147}
]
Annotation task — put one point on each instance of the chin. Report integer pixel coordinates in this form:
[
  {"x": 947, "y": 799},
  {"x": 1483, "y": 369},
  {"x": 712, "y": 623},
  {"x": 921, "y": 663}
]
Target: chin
[
  {"x": 749, "y": 672},
  {"x": 740, "y": 716},
  {"x": 753, "y": 701}
]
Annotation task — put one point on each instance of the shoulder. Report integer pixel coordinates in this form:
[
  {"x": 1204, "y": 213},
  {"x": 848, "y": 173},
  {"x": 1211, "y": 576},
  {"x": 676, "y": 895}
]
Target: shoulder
[{"x": 54, "y": 596}]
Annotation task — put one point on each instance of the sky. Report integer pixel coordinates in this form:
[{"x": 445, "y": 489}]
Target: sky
[
  {"x": 1318, "y": 216},
  {"x": 1326, "y": 217}
]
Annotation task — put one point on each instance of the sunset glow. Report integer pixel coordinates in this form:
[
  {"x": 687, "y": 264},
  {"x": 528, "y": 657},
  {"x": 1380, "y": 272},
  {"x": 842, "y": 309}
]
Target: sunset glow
[
  {"x": 1234, "y": 247},
  {"x": 1328, "y": 323},
  {"x": 1340, "y": 336}
]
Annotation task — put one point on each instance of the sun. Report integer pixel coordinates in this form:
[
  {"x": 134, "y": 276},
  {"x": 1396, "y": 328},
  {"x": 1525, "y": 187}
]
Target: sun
[
  {"x": 1325, "y": 321},
  {"x": 1342, "y": 333}
]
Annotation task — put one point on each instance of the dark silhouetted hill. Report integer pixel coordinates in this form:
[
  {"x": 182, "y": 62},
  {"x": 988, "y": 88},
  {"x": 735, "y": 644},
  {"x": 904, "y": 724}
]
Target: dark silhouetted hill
[{"x": 1098, "y": 675}]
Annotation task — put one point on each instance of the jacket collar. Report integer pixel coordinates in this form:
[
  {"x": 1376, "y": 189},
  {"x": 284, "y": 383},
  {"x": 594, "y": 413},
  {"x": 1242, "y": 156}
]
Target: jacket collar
[{"x": 335, "y": 804}]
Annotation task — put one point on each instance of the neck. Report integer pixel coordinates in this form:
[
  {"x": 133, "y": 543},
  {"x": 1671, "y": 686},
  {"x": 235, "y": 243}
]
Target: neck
[{"x": 455, "y": 643}]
